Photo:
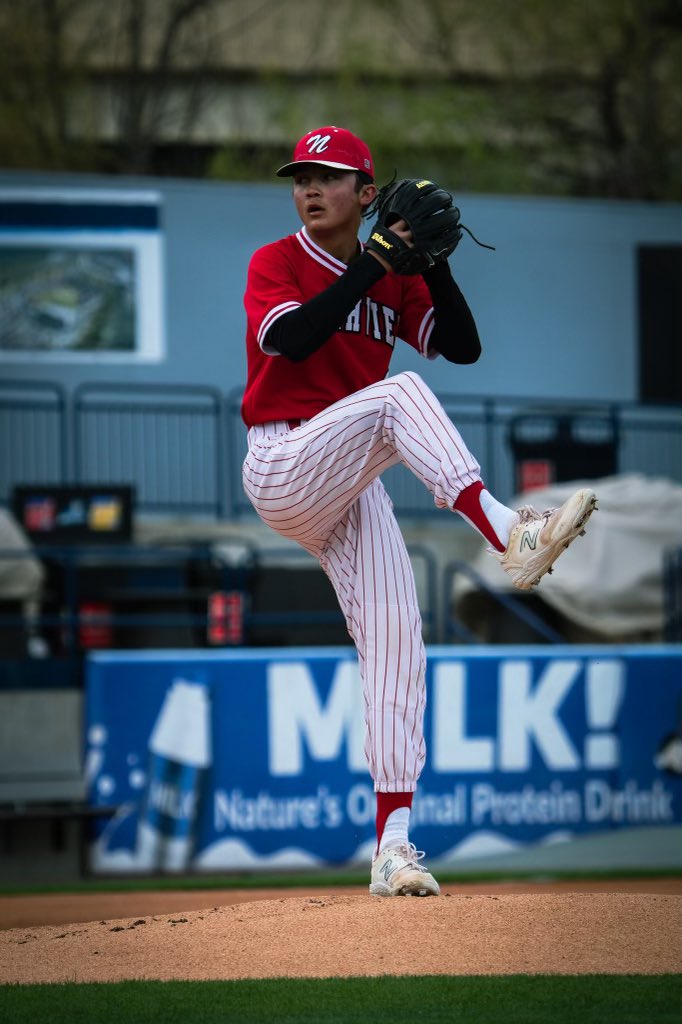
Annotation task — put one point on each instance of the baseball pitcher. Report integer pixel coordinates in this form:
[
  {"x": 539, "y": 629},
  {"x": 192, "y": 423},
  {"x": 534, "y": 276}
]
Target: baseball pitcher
[{"x": 324, "y": 313}]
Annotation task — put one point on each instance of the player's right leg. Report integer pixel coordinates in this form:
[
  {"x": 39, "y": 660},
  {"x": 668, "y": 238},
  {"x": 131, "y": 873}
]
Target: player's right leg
[{"x": 302, "y": 481}]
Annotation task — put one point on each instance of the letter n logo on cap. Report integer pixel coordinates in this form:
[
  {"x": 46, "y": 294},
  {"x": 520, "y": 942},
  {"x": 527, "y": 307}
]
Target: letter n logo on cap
[{"x": 318, "y": 143}]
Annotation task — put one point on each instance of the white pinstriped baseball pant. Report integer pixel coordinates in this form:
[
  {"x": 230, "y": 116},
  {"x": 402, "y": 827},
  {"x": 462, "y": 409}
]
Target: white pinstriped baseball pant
[{"x": 318, "y": 485}]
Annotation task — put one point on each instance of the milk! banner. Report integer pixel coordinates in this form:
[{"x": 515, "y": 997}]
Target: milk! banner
[{"x": 249, "y": 760}]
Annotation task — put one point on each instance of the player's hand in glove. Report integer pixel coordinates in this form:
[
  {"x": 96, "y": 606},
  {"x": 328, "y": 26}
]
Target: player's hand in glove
[{"x": 432, "y": 219}]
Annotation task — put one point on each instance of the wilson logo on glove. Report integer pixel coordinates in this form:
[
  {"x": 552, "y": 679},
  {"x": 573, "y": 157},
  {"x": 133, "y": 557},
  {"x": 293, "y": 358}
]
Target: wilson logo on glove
[{"x": 376, "y": 237}]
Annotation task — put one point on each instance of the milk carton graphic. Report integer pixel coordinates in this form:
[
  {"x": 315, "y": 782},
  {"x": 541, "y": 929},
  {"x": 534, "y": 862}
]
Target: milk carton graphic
[{"x": 179, "y": 754}]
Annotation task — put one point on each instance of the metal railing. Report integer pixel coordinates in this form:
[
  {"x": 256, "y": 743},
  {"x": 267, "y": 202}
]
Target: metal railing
[
  {"x": 178, "y": 596},
  {"x": 165, "y": 440},
  {"x": 672, "y": 589},
  {"x": 453, "y": 629},
  {"x": 33, "y": 434},
  {"x": 182, "y": 447},
  {"x": 645, "y": 439}
]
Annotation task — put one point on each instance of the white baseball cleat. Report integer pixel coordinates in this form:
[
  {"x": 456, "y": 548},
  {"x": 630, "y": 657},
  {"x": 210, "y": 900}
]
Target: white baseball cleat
[
  {"x": 538, "y": 539},
  {"x": 396, "y": 871}
]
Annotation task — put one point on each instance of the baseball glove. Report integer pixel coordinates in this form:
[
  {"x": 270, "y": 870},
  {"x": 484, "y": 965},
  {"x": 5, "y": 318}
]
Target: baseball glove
[{"x": 430, "y": 215}]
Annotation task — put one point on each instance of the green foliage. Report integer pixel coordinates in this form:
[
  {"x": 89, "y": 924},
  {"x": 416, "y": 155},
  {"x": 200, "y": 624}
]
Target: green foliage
[
  {"x": 585, "y": 99},
  {"x": 507, "y": 96}
]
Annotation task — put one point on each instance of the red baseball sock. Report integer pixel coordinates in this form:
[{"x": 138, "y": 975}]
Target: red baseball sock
[
  {"x": 468, "y": 504},
  {"x": 386, "y": 804}
]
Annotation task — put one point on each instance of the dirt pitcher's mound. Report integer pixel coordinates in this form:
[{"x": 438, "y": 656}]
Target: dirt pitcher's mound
[{"x": 327, "y": 936}]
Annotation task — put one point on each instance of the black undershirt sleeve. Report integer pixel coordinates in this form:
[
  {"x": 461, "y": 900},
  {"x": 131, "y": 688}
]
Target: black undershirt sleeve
[
  {"x": 301, "y": 332},
  {"x": 298, "y": 334},
  {"x": 454, "y": 333}
]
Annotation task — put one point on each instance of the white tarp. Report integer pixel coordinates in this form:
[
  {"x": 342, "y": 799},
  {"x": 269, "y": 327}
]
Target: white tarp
[
  {"x": 21, "y": 574},
  {"x": 611, "y": 580}
]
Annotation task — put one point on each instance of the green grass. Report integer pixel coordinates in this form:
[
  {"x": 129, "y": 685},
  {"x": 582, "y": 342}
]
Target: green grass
[
  {"x": 291, "y": 880},
  {"x": 539, "y": 999}
]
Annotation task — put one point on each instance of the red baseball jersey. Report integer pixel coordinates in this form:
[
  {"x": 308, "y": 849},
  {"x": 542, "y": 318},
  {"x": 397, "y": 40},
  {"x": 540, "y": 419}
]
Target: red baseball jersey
[{"x": 289, "y": 272}]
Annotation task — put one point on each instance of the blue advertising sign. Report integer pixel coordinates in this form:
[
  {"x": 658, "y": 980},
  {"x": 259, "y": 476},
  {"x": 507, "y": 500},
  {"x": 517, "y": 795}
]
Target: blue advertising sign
[{"x": 247, "y": 760}]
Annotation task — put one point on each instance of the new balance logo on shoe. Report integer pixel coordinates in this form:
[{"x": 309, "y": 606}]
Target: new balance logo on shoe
[
  {"x": 538, "y": 539},
  {"x": 397, "y": 872},
  {"x": 388, "y": 869},
  {"x": 529, "y": 540}
]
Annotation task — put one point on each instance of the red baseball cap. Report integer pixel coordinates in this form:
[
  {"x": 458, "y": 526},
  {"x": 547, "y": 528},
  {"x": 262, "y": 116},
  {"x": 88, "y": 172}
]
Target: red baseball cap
[{"x": 331, "y": 147}]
